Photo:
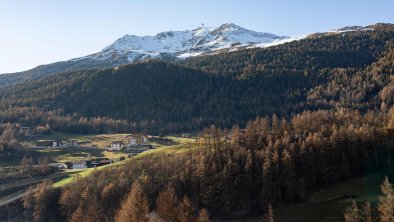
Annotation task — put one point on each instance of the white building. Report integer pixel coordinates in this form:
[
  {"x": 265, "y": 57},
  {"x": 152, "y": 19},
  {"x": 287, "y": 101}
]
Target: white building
[
  {"x": 72, "y": 143},
  {"x": 79, "y": 165},
  {"x": 138, "y": 141},
  {"x": 56, "y": 143},
  {"x": 116, "y": 146}
]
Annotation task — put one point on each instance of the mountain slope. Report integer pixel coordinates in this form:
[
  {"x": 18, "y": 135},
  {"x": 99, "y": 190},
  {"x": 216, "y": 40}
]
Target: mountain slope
[
  {"x": 226, "y": 88},
  {"x": 165, "y": 45}
]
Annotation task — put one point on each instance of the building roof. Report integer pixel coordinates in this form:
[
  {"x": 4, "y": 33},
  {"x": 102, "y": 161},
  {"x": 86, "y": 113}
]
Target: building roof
[{"x": 116, "y": 142}]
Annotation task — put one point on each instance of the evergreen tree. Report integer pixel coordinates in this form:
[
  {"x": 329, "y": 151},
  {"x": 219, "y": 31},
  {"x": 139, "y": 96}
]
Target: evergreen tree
[
  {"x": 386, "y": 202},
  {"x": 352, "y": 213},
  {"x": 94, "y": 211},
  {"x": 135, "y": 207},
  {"x": 367, "y": 212},
  {"x": 28, "y": 198},
  {"x": 167, "y": 204},
  {"x": 185, "y": 210},
  {"x": 45, "y": 202}
]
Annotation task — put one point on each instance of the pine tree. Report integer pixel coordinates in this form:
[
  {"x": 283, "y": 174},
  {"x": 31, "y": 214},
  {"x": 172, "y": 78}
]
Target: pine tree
[
  {"x": 45, "y": 202},
  {"x": 185, "y": 210},
  {"x": 352, "y": 213},
  {"x": 135, "y": 207},
  {"x": 386, "y": 202},
  {"x": 28, "y": 198},
  {"x": 367, "y": 212},
  {"x": 94, "y": 211},
  {"x": 167, "y": 204}
]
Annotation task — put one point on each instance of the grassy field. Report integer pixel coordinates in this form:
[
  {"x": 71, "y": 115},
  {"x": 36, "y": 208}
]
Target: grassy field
[
  {"x": 94, "y": 140},
  {"x": 77, "y": 154},
  {"x": 97, "y": 144},
  {"x": 175, "y": 145}
]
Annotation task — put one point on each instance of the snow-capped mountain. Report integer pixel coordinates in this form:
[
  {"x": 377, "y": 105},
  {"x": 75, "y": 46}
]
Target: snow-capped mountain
[
  {"x": 168, "y": 46},
  {"x": 182, "y": 43}
]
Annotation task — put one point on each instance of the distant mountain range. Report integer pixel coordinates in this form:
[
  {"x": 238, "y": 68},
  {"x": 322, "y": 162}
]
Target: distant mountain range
[
  {"x": 181, "y": 44},
  {"x": 170, "y": 45}
]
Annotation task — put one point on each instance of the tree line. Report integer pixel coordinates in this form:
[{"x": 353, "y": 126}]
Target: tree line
[{"x": 352, "y": 70}]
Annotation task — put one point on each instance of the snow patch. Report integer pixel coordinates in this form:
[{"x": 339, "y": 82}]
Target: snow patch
[{"x": 183, "y": 44}]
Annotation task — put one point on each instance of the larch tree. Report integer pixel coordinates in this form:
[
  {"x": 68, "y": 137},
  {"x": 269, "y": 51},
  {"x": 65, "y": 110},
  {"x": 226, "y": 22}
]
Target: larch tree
[
  {"x": 167, "y": 204},
  {"x": 94, "y": 211},
  {"x": 386, "y": 202},
  {"x": 352, "y": 213},
  {"x": 28, "y": 198},
  {"x": 135, "y": 207},
  {"x": 185, "y": 210},
  {"x": 367, "y": 212},
  {"x": 45, "y": 202}
]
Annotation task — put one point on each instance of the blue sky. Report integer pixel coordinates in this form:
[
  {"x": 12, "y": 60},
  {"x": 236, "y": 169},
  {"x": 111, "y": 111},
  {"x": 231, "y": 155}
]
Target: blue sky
[{"x": 34, "y": 32}]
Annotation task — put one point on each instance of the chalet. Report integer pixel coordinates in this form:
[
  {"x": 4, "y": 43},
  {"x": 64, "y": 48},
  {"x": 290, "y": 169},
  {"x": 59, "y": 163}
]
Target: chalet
[
  {"x": 138, "y": 149},
  {"x": 72, "y": 143},
  {"x": 116, "y": 146},
  {"x": 56, "y": 143},
  {"x": 138, "y": 144},
  {"x": 79, "y": 165},
  {"x": 138, "y": 141}
]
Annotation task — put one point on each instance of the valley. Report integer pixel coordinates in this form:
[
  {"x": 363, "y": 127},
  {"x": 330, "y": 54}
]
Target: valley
[{"x": 221, "y": 124}]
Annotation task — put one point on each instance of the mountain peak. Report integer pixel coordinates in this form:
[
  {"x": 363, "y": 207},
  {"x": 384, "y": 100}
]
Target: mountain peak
[
  {"x": 183, "y": 43},
  {"x": 230, "y": 26}
]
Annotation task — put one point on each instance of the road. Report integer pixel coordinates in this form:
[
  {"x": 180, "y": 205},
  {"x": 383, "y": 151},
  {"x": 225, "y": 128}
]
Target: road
[
  {"x": 19, "y": 194},
  {"x": 11, "y": 197},
  {"x": 29, "y": 181}
]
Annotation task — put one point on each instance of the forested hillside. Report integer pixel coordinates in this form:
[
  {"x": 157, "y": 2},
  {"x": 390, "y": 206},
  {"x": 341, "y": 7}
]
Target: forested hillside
[
  {"x": 231, "y": 173},
  {"x": 351, "y": 69}
]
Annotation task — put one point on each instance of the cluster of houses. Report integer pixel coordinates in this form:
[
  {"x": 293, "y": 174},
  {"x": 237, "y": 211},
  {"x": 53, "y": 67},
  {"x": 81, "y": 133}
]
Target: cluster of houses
[
  {"x": 61, "y": 144},
  {"x": 82, "y": 164},
  {"x": 136, "y": 144}
]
